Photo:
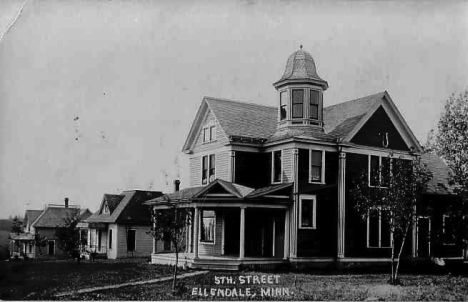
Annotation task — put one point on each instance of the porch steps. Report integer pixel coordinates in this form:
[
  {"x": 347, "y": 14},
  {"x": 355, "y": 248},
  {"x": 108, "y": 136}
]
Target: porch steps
[{"x": 219, "y": 265}]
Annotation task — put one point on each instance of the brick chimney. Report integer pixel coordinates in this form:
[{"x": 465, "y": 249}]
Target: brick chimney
[
  {"x": 66, "y": 202},
  {"x": 176, "y": 185}
]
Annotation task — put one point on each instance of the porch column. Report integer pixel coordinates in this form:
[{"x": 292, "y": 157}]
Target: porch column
[
  {"x": 242, "y": 234},
  {"x": 414, "y": 234},
  {"x": 154, "y": 228},
  {"x": 295, "y": 209},
  {"x": 341, "y": 205},
  {"x": 286, "y": 235},
  {"x": 195, "y": 232},
  {"x": 89, "y": 238}
]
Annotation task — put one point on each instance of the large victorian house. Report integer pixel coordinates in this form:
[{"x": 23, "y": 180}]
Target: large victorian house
[{"x": 271, "y": 185}]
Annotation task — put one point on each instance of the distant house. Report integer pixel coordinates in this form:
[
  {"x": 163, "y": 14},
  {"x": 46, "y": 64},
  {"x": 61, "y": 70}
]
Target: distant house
[
  {"x": 119, "y": 228},
  {"x": 271, "y": 184},
  {"x": 44, "y": 223}
]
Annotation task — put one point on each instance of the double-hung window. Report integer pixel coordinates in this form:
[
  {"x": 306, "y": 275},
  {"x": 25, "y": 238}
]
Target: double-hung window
[
  {"x": 208, "y": 168},
  {"x": 297, "y": 103},
  {"x": 209, "y": 133},
  {"x": 317, "y": 166},
  {"x": 276, "y": 166},
  {"x": 314, "y": 104},
  {"x": 378, "y": 228},
  {"x": 207, "y": 233},
  {"x": 307, "y": 211},
  {"x": 283, "y": 105},
  {"x": 379, "y": 171}
]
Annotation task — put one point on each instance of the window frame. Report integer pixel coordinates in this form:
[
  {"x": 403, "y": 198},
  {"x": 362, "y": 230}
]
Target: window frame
[
  {"x": 273, "y": 167},
  {"x": 109, "y": 239},
  {"x": 201, "y": 230},
  {"x": 302, "y": 103},
  {"x": 48, "y": 248},
  {"x": 317, "y": 105},
  {"x": 314, "y": 211},
  {"x": 285, "y": 105},
  {"x": 379, "y": 171},
  {"x": 208, "y": 168},
  {"x": 379, "y": 209},
  {"x": 209, "y": 133},
  {"x": 444, "y": 216},
  {"x": 135, "y": 243},
  {"x": 322, "y": 172}
]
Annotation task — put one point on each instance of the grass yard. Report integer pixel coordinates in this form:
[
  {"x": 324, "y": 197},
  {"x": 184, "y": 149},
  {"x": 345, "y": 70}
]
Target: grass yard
[
  {"x": 300, "y": 287},
  {"x": 36, "y": 279}
]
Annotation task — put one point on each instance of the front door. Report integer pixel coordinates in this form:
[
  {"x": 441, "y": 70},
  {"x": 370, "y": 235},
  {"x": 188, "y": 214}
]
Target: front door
[
  {"x": 423, "y": 237},
  {"x": 231, "y": 233}
]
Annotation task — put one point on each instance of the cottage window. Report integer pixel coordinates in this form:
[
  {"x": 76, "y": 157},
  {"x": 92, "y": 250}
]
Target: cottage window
[
  {"x": 449, "y": 229},
  {"x": 131, "y": 240},
  {"x": 208, "y": 226},
  {"x": 51, "y": 247},
  {"x": 276, "y": 166},
  {"x": 297, "y": 103},
  {"x": 283, "y": 105},
  {"x": 307, "y": 211},
  {"x": 378, "y": 228},
  {"x": 314, "y": 104},
  {"x": 317, "y": 166},
  {"x": 209, "y": 133},
  {"x": 110, "y": 239},
  {"x": 379, "y": 171},
  {"x": 208, "y": 168}
]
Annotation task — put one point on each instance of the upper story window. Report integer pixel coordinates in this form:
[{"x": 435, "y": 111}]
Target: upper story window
[
  {"x": 208, "y": 168},
  {"x": 297, "y": 103},
  {"x": 283, "y": 105},
  {"x": 378, "y": 228},
  {"x": 209, "y": 133},
  {"x": 379, "y": 171},
  {"x": 277, "y": 166},
  {"x": 207, "y": 233},
  {"x": 307, "y": 211},
  {"x": 314, "y": 104},
  {"x": 317, "y": 166}
]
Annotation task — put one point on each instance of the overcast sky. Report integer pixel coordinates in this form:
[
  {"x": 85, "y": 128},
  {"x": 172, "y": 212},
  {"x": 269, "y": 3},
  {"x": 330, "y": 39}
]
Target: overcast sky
[{"x": 98, "y": 96}]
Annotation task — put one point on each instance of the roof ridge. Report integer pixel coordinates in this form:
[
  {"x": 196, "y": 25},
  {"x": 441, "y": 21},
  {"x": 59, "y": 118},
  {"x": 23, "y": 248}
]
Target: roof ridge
[
  {"x": 353, "y": 100},
  {"x": 238, "y": 102}
]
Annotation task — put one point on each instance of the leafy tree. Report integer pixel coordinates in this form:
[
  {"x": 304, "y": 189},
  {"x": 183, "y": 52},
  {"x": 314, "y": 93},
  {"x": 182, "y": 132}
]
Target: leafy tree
[
  {"x": 396, "y": 194},
  {"x": 171, "y": 224},
  {"x": 450, "y": 141},
  {"x": 17, "y": 226},
  {"x": 40, "y": 241},
  {"x": 69, "y": 236}
]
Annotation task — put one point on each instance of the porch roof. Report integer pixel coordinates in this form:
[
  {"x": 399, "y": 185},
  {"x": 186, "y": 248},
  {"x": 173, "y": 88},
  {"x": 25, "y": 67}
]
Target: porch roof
[
  {"x": 233, "y": 192},
  {"x": 22, "y": 236}
]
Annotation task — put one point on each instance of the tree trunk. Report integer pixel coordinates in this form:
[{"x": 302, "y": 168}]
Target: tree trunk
[
  {"x": 175, "y": 271},
  {"x": 392, "y": 279},
  {"x": 401, "y": 250}
]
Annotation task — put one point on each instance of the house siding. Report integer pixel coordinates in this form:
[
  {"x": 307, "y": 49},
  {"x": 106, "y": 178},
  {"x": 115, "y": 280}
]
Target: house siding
[
  {"x": 220, "y": 141},
  {"x": 112, "y": 252},
  {"x": 368, "y": 135},
  {"x": 144, "y": 242},
  {"x": 288, "y": 163}
]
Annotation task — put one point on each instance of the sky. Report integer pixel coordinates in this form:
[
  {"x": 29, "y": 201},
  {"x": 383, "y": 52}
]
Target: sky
[{"x": 98, "y": 96}]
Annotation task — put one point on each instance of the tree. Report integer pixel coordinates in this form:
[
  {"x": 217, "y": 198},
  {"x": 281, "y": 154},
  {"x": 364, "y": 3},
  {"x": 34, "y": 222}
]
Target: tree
[
  {"x": 450, "y": 141},
  {"x": 395, "y": 195},
  {"x": 69, "y": 236},
  {"x": 171, "y": 224},
  {"x": 40, "y": 241},
  {"x": 17, "y": 226}
]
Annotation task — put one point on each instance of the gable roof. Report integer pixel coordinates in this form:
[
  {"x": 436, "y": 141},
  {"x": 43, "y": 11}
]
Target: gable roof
[
  {"x": 53, "y": 216},
  {"x": 439, "y": 184},
  {"x": 130, "y": 208},
  {"x": 31, "y": 215},
  {"x": 253, "y": 121},
  {"x": 112, "y": 201}
]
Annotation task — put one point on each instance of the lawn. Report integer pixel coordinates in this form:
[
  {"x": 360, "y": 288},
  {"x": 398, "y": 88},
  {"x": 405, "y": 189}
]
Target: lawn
[
  {"x": 298, "y": 287},
  {"x": 36, "y": 279},
  {"x": 41, "y": 280}
]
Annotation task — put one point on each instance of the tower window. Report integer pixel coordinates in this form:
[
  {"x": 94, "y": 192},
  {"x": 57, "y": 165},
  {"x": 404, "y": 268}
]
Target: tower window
[
  {"x": 297, "y": 103},
  {"x": 283, "y": 105},
  {"x": 314, "y": 104}
]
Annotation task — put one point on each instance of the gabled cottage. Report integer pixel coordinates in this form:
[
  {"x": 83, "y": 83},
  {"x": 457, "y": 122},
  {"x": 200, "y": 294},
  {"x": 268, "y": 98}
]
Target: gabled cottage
[
  {"x": 271, "y": 184},
  {"x": 119, "y": 228},
  {"x": 44, "y": 223}
]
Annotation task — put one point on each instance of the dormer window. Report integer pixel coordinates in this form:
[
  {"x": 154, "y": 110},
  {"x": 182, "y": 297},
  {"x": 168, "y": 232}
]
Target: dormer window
[
  {"x": 106, "y": 209},
  {"x": 297, "y": 103},
  {"x": 209, "y": 133},
  {"x": 314, "y": 104},
  {"x": 283, "y": 105}
]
